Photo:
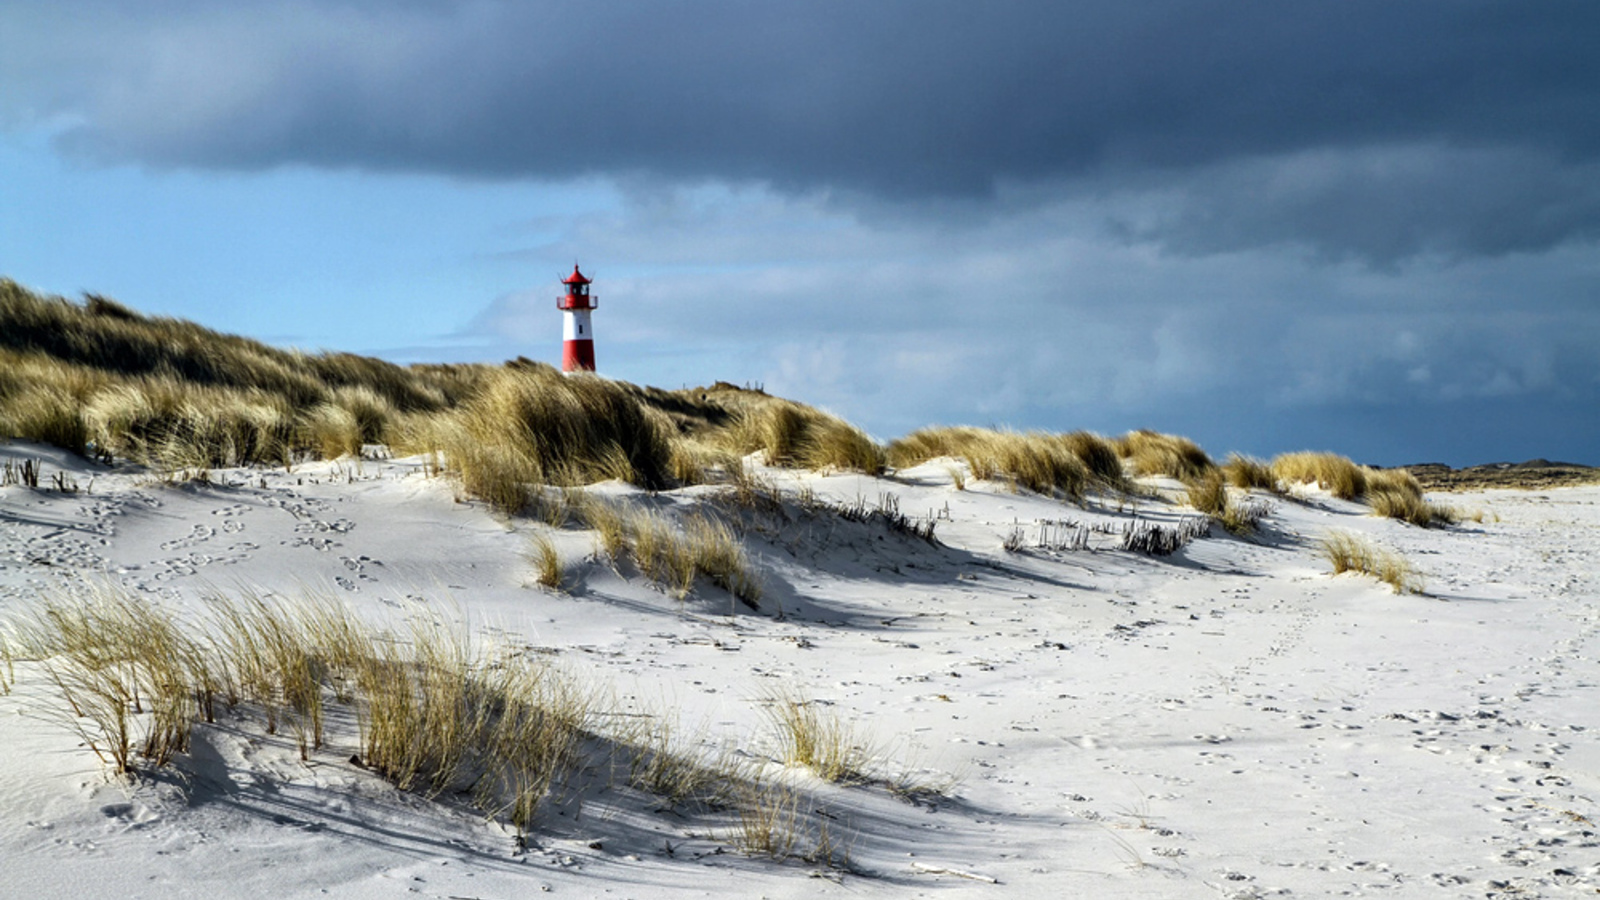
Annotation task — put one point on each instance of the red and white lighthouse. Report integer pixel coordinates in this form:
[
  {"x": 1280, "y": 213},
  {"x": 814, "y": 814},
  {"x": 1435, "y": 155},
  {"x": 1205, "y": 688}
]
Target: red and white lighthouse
[{"x": 577, "y": 333}]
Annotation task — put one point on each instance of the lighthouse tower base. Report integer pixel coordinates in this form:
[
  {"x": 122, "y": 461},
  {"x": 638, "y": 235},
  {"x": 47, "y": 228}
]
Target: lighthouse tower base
[{"x": 577, "y": 345}]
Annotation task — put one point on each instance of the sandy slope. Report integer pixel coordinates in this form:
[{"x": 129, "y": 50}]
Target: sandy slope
[{"x": 1230, "y": 721}]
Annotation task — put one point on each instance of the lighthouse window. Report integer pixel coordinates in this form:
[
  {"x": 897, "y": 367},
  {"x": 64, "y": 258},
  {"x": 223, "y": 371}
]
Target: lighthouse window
[{"x": 580, "y": 329}]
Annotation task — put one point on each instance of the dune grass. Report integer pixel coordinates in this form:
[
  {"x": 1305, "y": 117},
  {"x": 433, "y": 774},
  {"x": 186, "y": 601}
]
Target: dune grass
[
  {"x": 1391, "y": 493},
  {"x": 548, "y": 568},
  {"x": 1396, "y": 494},
  {"x": 815, "y": 737},
  {"x": 671, "y": 553},
  {"x": 1348, "y": 552},
  {"x": 1333, "y": 473},
  {"x": 1208, "y": 493},
  {"x": 432, "y": 713},
  {"x": 1043, "y": 463},
  {"x": 1152, "y": 453},
  {"x": 1249, "y": 473},
  {"x": 97, "y": 378},
  {"x": 530, "y": 425},
  {"x": 778, "y": 821},
  {"x": 1098, "y": 455},
  {"x": 790, "y": 434},
  {"x": 679, "y": 769},
  {"x": 124, "y": 671}
]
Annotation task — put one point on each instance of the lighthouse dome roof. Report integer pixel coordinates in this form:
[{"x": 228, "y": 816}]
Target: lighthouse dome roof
[{"x": 576, "y": 277}]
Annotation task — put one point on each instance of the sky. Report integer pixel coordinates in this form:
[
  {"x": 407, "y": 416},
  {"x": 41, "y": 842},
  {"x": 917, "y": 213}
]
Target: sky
[{"x": 1351, "y": 225}]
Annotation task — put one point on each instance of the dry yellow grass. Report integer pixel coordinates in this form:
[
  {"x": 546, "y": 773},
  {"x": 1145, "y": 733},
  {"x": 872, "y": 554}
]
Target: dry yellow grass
[
  {"x": 1097, "y": 454},
  {"x": 103, "y": 335},
  {"x": 671, "y": 554},
  {"x": 1396, "y": 494},
  {"x": 1153, "y": 453},
  {"x": 1036, "y": 461},
  {"x": 816, "y": 737},
  {"x": 547, "y": 563},
  {"x": 1329, "y": 471},
  {"x": 123, "y": 669},
  {"x": 1391, "y": 493},
  {"x": 1246, "y": 473},
  {"x": 1208, "y": 493},
  {"x": 172, "y": 424},
  {"x": 432, "y": 713},
  {"x": 694, "y": 461},
  {"x": 351, "y": 418},
  {"x": 531, "y": 426},
  {"x": 1349, "y": 552},
  {"x": 680, "y": 770},
  {"x": 790, "y": 434},
  {"x": 777, "y": 821},
  {"x": 173, "y": 394}
]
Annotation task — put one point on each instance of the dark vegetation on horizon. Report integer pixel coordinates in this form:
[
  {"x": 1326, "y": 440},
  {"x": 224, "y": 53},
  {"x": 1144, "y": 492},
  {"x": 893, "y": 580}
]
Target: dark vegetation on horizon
[{"x": 100, "y": 379}]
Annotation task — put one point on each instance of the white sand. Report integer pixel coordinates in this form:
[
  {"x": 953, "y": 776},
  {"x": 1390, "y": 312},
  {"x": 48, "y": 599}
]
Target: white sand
[{"x": 1230, "y": 721}]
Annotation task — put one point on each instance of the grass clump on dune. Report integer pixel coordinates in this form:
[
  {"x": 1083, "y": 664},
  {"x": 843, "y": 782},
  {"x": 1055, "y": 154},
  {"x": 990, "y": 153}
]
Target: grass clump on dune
[
  {"x": 1396, "y": 494},
  {"x": 1353, "y": 553},
  {"x": 530, "y": 425},
  {"x": 777, "y": 821},
  {"x": 424, "y": 709},
  {"x": 671, "y": 554},
  {"x": 679, "y": 770},
  {"x": 549, "y": 570},
  {"x": 1248, "y": 473},
  {"x": 816, "y": 737},
  {"x": 350, "y": 418},
  {"x": 1098, "y": 455},
  {"x": 1329, "y": 471},
  {"x": 172, "y": 424},
  {"x": 790, "y": 434},
  {"x": 125, "y": 671},
  {"x": 1208, "y": 494},
  {"x": 103, "y": 335},
  {"x": 432, "y": 714},
  {"x": 1039, "y": 462},
  {"x": 1152, "y": 453},
  {"x": 1391, "y": 493}
]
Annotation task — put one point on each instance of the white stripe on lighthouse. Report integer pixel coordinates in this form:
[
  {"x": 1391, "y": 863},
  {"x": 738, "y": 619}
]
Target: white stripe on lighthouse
[{"x": 575, "y": 326}]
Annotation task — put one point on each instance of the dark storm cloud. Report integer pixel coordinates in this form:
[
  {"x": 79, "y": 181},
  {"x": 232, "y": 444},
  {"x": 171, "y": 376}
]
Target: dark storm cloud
[{"x": 1266, "y": 121}]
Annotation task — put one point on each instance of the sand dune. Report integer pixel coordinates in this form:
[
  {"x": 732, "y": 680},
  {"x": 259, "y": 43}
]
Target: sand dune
[{"x": 1230, "y": 720}]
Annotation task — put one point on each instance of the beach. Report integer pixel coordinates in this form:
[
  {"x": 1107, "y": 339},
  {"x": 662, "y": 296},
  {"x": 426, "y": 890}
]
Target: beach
[{"x": 1230, "y": 720}]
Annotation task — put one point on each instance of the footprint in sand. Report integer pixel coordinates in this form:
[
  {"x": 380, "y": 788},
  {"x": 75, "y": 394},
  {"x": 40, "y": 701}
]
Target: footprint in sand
[
  {"x": 197, "y": 534},
  {"x": 359, "y": 564},
  {"x": 319, "y": 544}
]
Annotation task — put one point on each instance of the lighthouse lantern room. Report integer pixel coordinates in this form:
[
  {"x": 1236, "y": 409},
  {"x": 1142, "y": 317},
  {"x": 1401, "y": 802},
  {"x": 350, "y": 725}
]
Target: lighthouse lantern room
[{"x": 577, "y": 347}]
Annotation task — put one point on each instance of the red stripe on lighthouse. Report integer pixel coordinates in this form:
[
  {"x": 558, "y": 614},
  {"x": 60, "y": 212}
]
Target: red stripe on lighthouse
[{"x": 577, "y": 356}]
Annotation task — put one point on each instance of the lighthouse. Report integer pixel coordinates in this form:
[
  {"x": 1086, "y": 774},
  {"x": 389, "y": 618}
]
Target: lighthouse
[{"x": 577, "y": 334}]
